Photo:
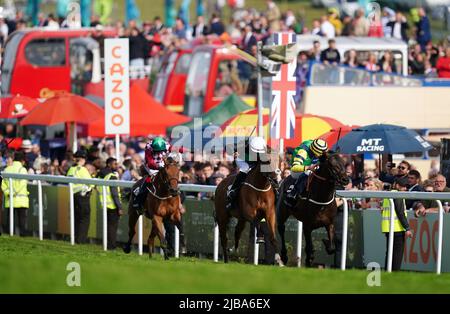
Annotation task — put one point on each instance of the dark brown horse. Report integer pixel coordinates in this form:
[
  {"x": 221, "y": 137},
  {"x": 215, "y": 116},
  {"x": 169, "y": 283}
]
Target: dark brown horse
[
  {"x": 163, "y": 201},
  {"x": 316, "y": 207},
  {"x": 256, "y": 200}
]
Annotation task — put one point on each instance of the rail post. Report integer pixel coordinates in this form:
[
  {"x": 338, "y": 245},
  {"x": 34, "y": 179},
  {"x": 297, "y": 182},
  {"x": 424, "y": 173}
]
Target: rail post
[{"x": 41, "y": 212}]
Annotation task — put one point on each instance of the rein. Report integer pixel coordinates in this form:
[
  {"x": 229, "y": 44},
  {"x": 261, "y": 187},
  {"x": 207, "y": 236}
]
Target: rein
[
  {"x": 165, "y": 181},
  {"x": 310, "y": 178},
  {"x": 257, "y": 189}
]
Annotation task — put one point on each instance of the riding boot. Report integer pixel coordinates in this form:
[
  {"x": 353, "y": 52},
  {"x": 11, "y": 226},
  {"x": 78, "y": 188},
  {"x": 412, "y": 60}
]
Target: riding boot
[
  {"x": 140, "y": 194},
  {"x": 232, "y": 192},
  {"x": 295, "y": 190}
]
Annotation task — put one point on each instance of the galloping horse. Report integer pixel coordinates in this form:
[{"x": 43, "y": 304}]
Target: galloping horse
[
  {"x": 316, "y": 207},
  {"x": 163, "y": 201},
  {"x": 256, "y": 200}
]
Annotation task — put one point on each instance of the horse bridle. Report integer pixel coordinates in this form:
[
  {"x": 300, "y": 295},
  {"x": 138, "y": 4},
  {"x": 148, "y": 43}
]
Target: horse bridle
[
  {"x": 312, "y": 176},
  {"x": 166, "y": 181}
]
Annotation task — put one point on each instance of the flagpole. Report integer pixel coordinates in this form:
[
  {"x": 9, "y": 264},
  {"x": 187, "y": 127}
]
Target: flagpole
[
  {"x": 260, "y": 98},
  {"x": 117, "y": 147}
]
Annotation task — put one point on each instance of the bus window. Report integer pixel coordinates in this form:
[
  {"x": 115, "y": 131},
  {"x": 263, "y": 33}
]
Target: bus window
[
  {"x": 183, "y": 64},
  {"x": 196, "y": 83},
  {"x": 227, "y": 79},
  {"x": 46, "y": 52},
  {"x": 168, "y": 67},
  {"x": 81, "y": 67}
]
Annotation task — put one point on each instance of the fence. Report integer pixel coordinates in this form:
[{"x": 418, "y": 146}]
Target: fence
[{"x": 210, "y": 189}]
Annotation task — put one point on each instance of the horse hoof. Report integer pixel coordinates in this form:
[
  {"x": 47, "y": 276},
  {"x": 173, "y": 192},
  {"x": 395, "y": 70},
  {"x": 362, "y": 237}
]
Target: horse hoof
[
  {"x": 127, "y": 249},
  {"x": 330, "y": 250}
]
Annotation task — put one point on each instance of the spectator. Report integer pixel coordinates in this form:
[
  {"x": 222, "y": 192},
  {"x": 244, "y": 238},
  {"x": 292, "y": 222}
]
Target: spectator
[
  {"x": 440, "y": 185},
  {"x": 414, "y": 180},
  {"x": 200, "y": 29},
  {"x": 351, "y": 61},
  {"x": 371, "y": 63},
  {"x": 399, "y": 27},
  {"x": 273, "y": 15},
  {"x": 417, "y": 66},
  {"x": 331, "y": 54},
  {"x": 30, "y": 156},
  {"x": 388, "y": 16},
  {"x": 180, "y": 29},
  {"x": 401, "y": 225},
  {"x": 216, "y": 26},
  {"x": 333, "y": 18},
  {"x": 157, "y": 26},
  {"x": 301, "y": 73},
  {"x": 371, "y": 184},
  {"x": 347, "y": 26},
  {"x": 290, "y": 20},
  {"x": 316, "y": 29},
  {"x": 386, "y": 63},
  {"x": 327, "y": 28},
  {"x": 52, "y": 23},
  {"x": 443, "y": 65},
  {"x": 375, "y": 27},
  {"x": 423, "y": 34},
  {"x": 248, "y": 39},
  {"x": 360, "y": 24},
  {"x": 389, "y": 177},
  {"x": 139, "y": 49}
]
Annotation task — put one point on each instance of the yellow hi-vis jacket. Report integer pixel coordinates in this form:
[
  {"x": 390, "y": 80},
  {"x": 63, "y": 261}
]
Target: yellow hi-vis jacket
[
  {"x": 82, "y": 173},
  {"x": 20, "y": 188},
  {"x": 109, "y": 199},
  {"x": 386, "y": 218}
]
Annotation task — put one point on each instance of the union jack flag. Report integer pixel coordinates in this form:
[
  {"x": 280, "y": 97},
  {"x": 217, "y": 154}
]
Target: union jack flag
[{"x": 282, "y": 113}]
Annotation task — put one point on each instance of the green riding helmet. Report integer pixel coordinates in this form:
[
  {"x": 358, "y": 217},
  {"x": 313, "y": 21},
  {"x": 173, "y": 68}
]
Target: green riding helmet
[{"x": 159, "y": 144}]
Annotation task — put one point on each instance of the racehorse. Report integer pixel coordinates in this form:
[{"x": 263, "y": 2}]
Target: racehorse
[
  {"x": 256, "y": 200},
  {"x": 316, "y": 207},
  {"x": 163, "y": 201}
]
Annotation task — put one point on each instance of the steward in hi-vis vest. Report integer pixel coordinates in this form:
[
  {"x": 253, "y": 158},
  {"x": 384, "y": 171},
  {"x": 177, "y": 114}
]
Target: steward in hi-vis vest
[
  {"x": 113, "y": 201},
  {"x": 81, "y": 197},
  {"x": 401, "y": 225},
  {"x": 21, "y": 201}
]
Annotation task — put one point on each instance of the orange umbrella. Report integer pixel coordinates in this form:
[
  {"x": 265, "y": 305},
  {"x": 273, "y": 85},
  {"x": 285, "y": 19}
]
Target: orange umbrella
[
  {"x": 63, "y": 108},
  {"x": 15, "y": 107},
  {"x": 147, "y": 116},
  {"x": 308, "y": 126},
  {"x": 332, "y": 136}
]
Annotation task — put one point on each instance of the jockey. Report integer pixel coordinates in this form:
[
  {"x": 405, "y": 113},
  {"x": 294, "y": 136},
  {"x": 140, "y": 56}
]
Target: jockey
[
  {"x": 155, "y": 152},
  {"x": 256, "y": 145},
  {"x": 305, "y": 157}
]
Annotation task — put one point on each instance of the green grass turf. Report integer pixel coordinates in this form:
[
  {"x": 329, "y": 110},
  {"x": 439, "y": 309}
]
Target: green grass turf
[{"x": 28, "y": 265}]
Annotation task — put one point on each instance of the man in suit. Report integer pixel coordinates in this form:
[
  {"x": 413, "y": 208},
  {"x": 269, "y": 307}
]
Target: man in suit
[
  {"x": 200, "y": 29},
  {"x": 248, "y": 39},
  {"x": 399, "y": 27}
]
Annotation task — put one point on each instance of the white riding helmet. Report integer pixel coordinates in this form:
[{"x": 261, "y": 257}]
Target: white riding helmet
[{"x": 258, "y": 145}]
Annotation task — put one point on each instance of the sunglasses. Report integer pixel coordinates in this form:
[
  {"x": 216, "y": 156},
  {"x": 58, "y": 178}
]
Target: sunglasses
[{"x": 401, "y": 168}]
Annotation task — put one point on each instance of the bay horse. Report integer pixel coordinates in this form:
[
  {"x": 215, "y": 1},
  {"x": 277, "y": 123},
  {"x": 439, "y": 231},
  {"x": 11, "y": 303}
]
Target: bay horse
[
  {"x": 255, "y": 201},
  {"x": 316, "y": 207},
  {"x": 163, "y": 201}
]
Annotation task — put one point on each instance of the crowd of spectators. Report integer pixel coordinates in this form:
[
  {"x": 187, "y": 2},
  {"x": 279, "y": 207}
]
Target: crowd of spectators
[
  {"x": 152, "y": 39},
  {"x": 373, "y": 179}
]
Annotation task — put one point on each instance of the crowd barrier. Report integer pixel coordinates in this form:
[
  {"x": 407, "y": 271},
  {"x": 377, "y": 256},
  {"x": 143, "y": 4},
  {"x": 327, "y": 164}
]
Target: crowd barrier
[{"x": 346, "y": 195}]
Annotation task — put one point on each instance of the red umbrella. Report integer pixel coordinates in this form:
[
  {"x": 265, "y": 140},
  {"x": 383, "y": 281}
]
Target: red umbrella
[
  {"x": 147, "y": 116},
  {"x": 16, "y": 106},
  {"x": 331, "y": 136},
  {"x": 64, "y": 108}
]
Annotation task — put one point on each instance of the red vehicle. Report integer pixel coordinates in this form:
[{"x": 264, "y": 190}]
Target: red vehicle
[
  {"x": 38, "y": 62},
  {"x": 214, "y": 73},
  {"x": 170, "y": 81},
  {"x": 171, "y": 78}
]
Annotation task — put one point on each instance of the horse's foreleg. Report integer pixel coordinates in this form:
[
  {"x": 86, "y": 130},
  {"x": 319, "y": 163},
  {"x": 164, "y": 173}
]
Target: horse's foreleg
[
  {"x": 133, "y": 217},
  {"x": 238, "y": 232},
  {"x": 151, "y": 239},
  {"x": 330, "y": 244},
  {"x": 309, "y": 248},
  {"x": 158, "y": 221},
  {"x": 281, "y": 220},
  {"x": 223, "y": 238},
  {"x": 270, "y": 219}
]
